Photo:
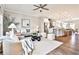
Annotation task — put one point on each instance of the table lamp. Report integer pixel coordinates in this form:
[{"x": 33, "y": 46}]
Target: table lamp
[{"x": 12, "y": 26}]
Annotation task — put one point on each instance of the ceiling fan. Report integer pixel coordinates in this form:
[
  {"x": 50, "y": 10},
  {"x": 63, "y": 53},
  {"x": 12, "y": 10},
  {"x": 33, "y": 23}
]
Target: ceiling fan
[{"x": 41, "y": 6}]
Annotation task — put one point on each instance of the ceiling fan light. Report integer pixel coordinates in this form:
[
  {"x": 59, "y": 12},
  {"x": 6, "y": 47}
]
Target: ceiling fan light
[{"x": 40, "y": 10}]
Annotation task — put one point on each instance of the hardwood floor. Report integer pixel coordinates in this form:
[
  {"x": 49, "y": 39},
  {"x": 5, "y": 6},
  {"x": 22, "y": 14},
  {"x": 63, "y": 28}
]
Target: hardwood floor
[{"x": 69, "y": 47}]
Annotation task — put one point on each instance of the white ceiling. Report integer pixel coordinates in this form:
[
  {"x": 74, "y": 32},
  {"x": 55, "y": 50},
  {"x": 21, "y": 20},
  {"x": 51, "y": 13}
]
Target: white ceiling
[{"x": 56, "y": 11}]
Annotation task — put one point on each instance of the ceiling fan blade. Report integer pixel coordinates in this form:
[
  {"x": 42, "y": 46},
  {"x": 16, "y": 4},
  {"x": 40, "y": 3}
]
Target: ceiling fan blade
[
  {"x": 45, "y": 8},
  {"x": 44, "y": 5},
  {"x": 35, "y": 8}
]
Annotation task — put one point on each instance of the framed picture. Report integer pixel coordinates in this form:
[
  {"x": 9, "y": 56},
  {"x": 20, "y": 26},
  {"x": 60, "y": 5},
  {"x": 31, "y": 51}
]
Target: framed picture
[{"x": 26, "y": 23}]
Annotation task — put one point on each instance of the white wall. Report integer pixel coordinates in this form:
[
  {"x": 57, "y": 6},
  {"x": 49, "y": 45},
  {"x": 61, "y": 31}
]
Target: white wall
[
  {"x": 76, "y": 22},
  {"x": 34, "y": 21},
  {"x": 1, "y": 21},
  {"x": 1, "y": 24}
]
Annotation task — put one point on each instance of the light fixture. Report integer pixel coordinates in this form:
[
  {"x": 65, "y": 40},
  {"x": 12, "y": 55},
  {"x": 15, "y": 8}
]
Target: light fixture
[{"x": 40, "y": 7}]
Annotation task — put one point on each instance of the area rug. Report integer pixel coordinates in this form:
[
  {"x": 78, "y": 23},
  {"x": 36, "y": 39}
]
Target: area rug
[{"x": 45, "y": 46}]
